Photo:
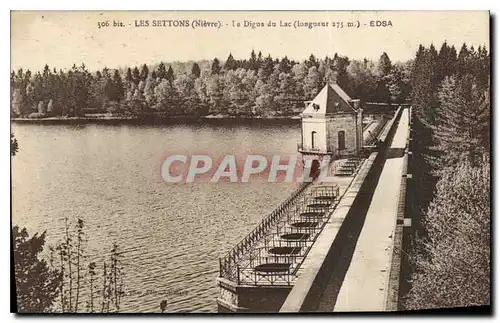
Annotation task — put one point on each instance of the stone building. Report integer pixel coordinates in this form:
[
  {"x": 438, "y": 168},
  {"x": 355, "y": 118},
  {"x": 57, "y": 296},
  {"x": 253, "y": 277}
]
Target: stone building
[{"x": 332, "y": 124}]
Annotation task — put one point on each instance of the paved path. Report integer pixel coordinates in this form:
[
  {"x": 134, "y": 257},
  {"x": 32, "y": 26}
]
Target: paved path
[{"x": 365, "y": 285}]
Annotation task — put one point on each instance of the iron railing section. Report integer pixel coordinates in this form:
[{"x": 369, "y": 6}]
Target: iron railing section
[
  {"x": 302, "y": 148},
  {"x": 227, "y": 264},
  {"x": 245, "y": 273},
  {"x": 251, "y": 277},
  {"x": 319, "y": 229},
  {"x": 333, "y": 206}
]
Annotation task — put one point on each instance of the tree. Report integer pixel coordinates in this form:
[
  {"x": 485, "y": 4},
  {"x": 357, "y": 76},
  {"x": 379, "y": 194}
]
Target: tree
[
  {"x": 18, "y": 102},
  {"x": 230, "y": 63},
  {"x": 170, "y": 77},
  {"x": 149, "y": 88},
  {"x": 252, "y": 62},
  {"x": 398, "y": 83},
  {"x": 144, "y": 72},
  {"x": 129, "y": 78},
  {"x": 100, "y": 90},
  {"x": 285, "y": 65},
  {"x": 265, "y": 100},
  {"x": 435, "y": 80},
  {"x": 137, "y": 103},
  {"x": 312, "y": 61},
  {"x": 50, "y": 106},
  {"x": 234, "y": 93},
  {"x": 299, "y": 73},
  {"x": 422, "y": 88},
  {"x": 216, "y": 69},
  {"x": 340, "y": 66},
  {"x": 42, "y": 108},
  {"x": 79, "y": 81},
  {"x": 195, "y": 70},
  {"x": 481, "y": 68},
  {"x": 165, "y": 94},
  {"x": 200, "y": 87},
  {"x": 188, "y": 103},
  {"x": 37, "y": 286},
  {"x": 215, "y": 91},
  {"x": 462, "y": 130},
  {"x": 267, "y": 68},
  {"x": 286, "y": 94},
  {"x": 463, "y": 60},
  {"x": 384, "y": 76},
  {"x": 118, "y": 89},
  {"x": 260, "y": 60},
  {"x": 162, "y": 71},
  {"x": 136, "y": 75},
  {"x": 362, "y": 80},
  {"x": 249, "y": 80},
  {"x": 447, "y": 61},
  {"x": 313, "y": 82},
  {"x": 384, "y": 65}
]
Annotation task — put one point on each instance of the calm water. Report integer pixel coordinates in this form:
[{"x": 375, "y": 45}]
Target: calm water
[{"x": 172, "y": 234}]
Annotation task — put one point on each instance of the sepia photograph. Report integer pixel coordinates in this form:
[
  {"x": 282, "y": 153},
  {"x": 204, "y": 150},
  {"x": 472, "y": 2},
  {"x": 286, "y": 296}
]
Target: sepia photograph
[{"x": 217, "y": 162}]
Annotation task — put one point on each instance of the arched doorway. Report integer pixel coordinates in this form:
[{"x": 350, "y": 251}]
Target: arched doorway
[
  {"x": 341, "y": 140},
  {"x": 313, "y": 139},
  {"x": 314, "y": 167}
]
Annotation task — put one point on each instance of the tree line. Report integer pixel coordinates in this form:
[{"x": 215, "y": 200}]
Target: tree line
[
  {"x": 257, "y": 86},
  {"x": 450, "y": 246}
]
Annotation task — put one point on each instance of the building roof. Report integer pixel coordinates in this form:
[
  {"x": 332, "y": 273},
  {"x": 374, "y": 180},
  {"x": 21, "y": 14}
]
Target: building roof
[{"x": 330, "y": 99}]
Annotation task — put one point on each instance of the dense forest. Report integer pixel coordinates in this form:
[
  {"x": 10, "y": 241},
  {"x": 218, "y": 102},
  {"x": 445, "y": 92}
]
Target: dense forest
[
  {"x": 450, "y": 248},
  {"x": 257, "y": 86}
]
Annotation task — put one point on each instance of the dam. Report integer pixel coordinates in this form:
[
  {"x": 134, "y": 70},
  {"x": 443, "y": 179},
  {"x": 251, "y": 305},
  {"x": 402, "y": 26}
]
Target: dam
[{"x": 330, "y": 246}]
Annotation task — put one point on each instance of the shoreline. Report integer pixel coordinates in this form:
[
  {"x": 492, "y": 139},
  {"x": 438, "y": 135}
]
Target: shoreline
[{"x": 155, "y": 120}]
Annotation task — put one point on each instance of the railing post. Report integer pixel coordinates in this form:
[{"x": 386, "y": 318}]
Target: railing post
[{"x": 238, "y": 274}]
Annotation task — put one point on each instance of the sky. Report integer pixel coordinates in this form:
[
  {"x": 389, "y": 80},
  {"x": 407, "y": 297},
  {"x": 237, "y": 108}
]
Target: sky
[{"x": 62, "y": 38}]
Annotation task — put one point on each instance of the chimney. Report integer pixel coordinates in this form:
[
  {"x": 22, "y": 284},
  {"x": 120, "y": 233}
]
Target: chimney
[{"x": 356, "y": 104}]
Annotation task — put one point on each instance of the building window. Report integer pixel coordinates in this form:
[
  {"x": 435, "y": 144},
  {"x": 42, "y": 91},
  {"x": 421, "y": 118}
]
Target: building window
[
  {"x": 313, "y": 139},
  {"x": 341, "y": 140}
]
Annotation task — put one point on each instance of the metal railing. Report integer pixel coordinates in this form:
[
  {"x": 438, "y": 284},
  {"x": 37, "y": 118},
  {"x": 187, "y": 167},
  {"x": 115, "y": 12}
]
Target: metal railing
[
  {"x": 228, "y": 264},
  {"x": 301, "y": 148},
  {"x": 247, "y": 274},
  {"x": 243, "y": 271}
]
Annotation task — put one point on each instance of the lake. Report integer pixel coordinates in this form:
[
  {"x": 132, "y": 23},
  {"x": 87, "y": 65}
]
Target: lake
[{"x": 171, "y": 234}]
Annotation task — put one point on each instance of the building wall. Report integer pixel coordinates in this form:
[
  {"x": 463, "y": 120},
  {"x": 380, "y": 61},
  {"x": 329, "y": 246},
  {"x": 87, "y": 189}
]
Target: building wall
[
  {"x": 346, "y": 123},
  {"x": 309, "y": 125}
]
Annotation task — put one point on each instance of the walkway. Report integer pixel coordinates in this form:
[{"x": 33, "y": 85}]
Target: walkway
[{"x": 365, "y": 285}]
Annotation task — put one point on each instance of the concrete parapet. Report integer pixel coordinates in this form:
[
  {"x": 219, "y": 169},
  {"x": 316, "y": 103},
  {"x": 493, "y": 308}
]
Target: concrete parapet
[{"x": 234, "y": 298}]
